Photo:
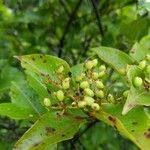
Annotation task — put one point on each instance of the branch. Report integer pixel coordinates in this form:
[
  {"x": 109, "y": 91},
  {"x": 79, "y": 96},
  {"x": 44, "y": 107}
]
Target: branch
[
  {"x": 96, "y": 10},
  {"x": 67, "y": 27},
  {"x": 86, "y": 45}
]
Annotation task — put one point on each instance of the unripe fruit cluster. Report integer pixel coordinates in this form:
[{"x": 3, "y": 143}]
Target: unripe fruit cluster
[{"x": 86, "y": 90}]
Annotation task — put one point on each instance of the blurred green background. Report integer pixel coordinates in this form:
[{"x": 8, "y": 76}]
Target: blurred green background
[{"x": 67, "y": 29}]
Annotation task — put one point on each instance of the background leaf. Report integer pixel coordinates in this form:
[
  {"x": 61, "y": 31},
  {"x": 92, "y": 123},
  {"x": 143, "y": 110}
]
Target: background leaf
[{"x": 49, "y": 129}]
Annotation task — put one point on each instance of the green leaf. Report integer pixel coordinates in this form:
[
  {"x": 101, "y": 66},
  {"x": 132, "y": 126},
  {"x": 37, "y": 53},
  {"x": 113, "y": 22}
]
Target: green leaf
[
  {"x": 41, "y": 89},
  {"x": 135, "y": 125},
  {"x": 8, "y": 74},
  {"x": 48, "y": 130},
  {"x": 137, "y": 95},
  {"x": 42, "y": 73},
  {"x": 23, "y": 96},
  {"x": 141, "y": 49},
  {"x": 44, "y": 65},
  {"x": 15, "y": 112},
  {"x": 77, "y": 70},
  {"x": 115, "y": 58}
]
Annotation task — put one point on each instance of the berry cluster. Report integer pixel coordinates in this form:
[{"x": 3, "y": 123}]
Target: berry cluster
[
  {"x": 144, "y": 79},
  {"x": 144, "y": 65},
  {"x": 88, "y": 90}
]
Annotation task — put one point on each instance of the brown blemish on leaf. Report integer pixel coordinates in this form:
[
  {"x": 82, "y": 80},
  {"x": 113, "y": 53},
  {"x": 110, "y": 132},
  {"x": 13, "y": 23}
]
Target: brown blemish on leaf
[
  {"x": 69, "y": 74},
  {"x": 50, "y": 130},
  {"x": 134, "y": 123},
  {"x": 36, "y": 144},
  {"x": 112, "y": 119},
  {"x": 33, "y": 59},
  {"x": 41, "y": 56},
  {"x": 148, "y": 129},
  {"x": 147, "y": 134}
]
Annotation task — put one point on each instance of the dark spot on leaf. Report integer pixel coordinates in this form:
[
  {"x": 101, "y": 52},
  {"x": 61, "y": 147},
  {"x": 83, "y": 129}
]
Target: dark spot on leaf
[
  {"x": 115, "y": 127},
  {"x": 134, "y": 122},
  {"x": 44, "y": 61},
  {"x": 132, "y": 130},
  {"x": 112, "y": 119},
  {"x": 78, "y": 118},
  {"x": 41, "y": 56},
  {"x": 148, "y": 129},
  {"x": 62, "y": 135},
  {"x": 147, "y": 135},
  {"x": 50, "y": 130},
  {"x": 69, "y": 74},
  {"x": 36, "y": 144},
  {"x": 33, "y": 59},
  {"x": 48, "y": 90}
]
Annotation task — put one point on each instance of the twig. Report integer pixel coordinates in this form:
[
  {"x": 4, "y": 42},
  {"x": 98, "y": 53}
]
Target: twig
[
  {"x": 67, "y": 27},
  {"x": 86, "y": 45},
  {"x": 96, "y": 10}
]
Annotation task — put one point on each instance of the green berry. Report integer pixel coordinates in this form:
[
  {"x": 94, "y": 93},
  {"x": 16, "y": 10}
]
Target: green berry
[
  {"x": 138, "y": 81},
  {"x": 95, "y": 62},
  {"x": 80, "y": 77},
  {"x": 47, "y": 102},
  {"x": 102, "y": 68},
  {"x": 60, "y": 95},
  {"x": 148, "y": 69},
  {"x": 66, "y": 83},
  {"x": 82, "y": 104},
  {"x": 95, "y": 75},
  {"x": 99, "y": 84},
  {"x": 89, "y": 65},
  {"x": 89, "y": 100},
  {"x": 99, "y": 94},
  {"x": 125, "y": 93},
  {"x": 110, "y": 98},
  {"x": 101, "y": 74},
  {"x": 88, "y": 92},
  {"x": 84, "y": 85},
  {"x": 95, "y": 106},
  {"x": 142, "y": 64},
  {"x": 60, "y": 69},
  {"x": 148, "y": 57},
  {"x": 122, "y": 71}
]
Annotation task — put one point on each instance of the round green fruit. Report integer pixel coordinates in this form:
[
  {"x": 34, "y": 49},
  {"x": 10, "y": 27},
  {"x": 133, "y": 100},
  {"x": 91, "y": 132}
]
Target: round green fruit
[
  {"x": 47, "y": 102},
  {"x": 60, "y": 95},
  {"x": 89, "y": 100},
  {"x": 95, "y": 106},
  {"x": 148, "y": 69},
  {"x": 138, "y": 81},
  {"x": 102, "y": 68},
  {"x": 95, "y": 62},
  {"x": 84, "y": 85},
  {"x": 89, "y": 65},
  {"x": 82, "y": 104},
  {"x": 142, "y": 64},
  {"x": 88, "y": 92},
  {"x": 95, "y": 75},
  {"x": 99, "y": 84},
  {"x": 125, "y": 93},
  {"x": 99, "y": 94}
]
